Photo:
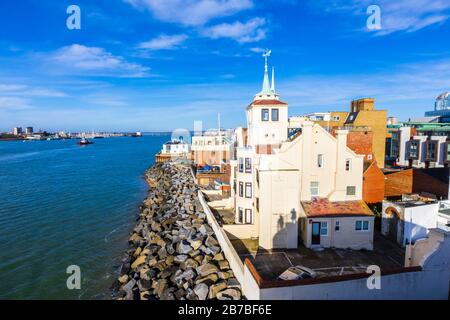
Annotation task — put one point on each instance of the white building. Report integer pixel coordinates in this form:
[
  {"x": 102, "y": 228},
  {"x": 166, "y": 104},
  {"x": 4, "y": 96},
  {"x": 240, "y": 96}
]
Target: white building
[
  {"x": 411, "y": 219},
  {"x": 282, "y": 164},
  {"x": 176, "y": 147},
  {"x": 213, "y": 147},
  {"x": 17, "y": 131}
]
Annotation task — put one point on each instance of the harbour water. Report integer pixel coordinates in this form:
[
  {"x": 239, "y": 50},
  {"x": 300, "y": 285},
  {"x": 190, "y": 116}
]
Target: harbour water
[{"x": 62, "y": 204}]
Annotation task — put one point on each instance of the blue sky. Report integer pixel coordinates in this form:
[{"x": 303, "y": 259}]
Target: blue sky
[{"x": 162, "y": 64}]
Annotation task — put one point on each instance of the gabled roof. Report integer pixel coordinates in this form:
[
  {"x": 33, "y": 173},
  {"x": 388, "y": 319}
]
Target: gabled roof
[{"x": 321, "y": 207}]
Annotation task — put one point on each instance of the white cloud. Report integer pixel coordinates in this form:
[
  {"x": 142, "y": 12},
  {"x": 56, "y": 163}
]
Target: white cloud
[
  {"x": 257, "y": 50},
  {"x": 228, "y": 76},
  {"x": 191, "y": 12},
  {"x": 80, "y": 59},
  {"x": 250, "y": 31},
  {"x": 164, "y": 42},
  {"x": 398, "y": 15},
  {"x": 26, "y": 90},
  {"x": 14, "y": 103}
]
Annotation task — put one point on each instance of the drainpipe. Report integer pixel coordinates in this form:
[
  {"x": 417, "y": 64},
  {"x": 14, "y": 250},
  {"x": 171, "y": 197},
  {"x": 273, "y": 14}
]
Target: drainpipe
[{"x": 341, "y": 136}]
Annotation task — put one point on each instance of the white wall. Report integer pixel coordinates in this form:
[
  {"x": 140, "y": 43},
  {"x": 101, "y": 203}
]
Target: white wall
[
  {"x": 346, "y": 238},
  {"x": 418, "y": 220},
  {"x": 426, "y": 285},
  {"x": 267, "y": 132},
  {"x": 228, "y": 250}
]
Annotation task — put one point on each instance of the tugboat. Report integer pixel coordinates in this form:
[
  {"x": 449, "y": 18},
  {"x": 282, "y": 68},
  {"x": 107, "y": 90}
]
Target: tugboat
[{"x": 84, "y": 142}]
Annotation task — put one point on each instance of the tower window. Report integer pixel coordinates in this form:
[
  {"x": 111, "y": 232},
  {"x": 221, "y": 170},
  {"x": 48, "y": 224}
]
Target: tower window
[
  {"x": 265, "y": 114},
  {"x": 275, "y": 114}
]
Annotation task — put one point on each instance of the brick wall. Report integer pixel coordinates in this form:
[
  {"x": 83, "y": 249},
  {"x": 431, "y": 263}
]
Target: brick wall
[
  {"x": 361, "y": 143},
  {"x": 399, "y": 183},
  {"x": 373, "y": 184},
  {"x": 423, "y": 182}
]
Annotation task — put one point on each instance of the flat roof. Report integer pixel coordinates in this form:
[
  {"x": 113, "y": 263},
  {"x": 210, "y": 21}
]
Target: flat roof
[
  {"x": 321, "y": 207},
  {"x": 270, "y": 264}
]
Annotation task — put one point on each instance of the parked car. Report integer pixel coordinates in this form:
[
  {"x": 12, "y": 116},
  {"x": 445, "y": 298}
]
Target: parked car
[{"x": 297, "y": 273}]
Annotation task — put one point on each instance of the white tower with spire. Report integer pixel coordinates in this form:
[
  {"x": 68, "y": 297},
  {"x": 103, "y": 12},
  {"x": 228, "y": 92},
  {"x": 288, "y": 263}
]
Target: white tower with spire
[{"x": 267, "y": 116}]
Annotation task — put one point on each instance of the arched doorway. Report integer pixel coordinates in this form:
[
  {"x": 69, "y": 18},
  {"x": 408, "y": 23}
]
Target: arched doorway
[{"x": 395, "y": 224}]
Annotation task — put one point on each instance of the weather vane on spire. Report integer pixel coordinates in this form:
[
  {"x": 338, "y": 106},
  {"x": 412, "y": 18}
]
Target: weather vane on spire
[{"x": 266, "y": 55}]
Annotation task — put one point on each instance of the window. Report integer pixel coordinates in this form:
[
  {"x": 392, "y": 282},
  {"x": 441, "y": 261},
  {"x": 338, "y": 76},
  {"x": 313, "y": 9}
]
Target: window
[
  {"x": 337, "y": 226},
  {"x": 241, "y": 165},
  {"x": 241, "y": 215},
  {"x": 275, "y": 114},
  {"x": 365, "y": 225},
  {"x": 248, "y": 165},
  {"x": 336, "y": 118},
  {"x": 248, "y": 190},
  {"x": 351, "y": 190},
  {"x": 257, "y": 204},
  {"x": 431, "y": 150},
  {"x": 241, "y": 189},
  {"x": 320, "y": 160},
  {"x": 414, "y": 149},
  {"x": 248, "y": 216},
  {"x": 265, "y": 115},
  {"x": 447, "y": 153},
  {"x": 362, "y": 225},
  {"x": 324, "y": 228},
  {"x": 348, "y": 164},
  {"x": 314, "y": 188}
]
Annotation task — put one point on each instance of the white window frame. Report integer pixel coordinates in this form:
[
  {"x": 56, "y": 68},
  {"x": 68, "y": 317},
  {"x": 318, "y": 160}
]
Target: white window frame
[
  {"x": 362, "y": 225},
  {"x": 323, "y": 226},
  {"x": 248, "y": 216},
  {"x": 248, "y": 190},
  {"x": 337, "y": 226},
  {"x": 311, "y": 188}
]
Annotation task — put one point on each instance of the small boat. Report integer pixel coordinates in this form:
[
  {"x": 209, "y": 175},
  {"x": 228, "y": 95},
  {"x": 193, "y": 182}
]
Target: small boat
[{"x": 84, "y": 142}]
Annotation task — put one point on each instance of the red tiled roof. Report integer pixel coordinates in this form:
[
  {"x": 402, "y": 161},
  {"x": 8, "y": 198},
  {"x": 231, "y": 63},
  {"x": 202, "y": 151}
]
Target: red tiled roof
[
  {"x": 319, "y": 207},
  {"x": 267, "y": 102}
]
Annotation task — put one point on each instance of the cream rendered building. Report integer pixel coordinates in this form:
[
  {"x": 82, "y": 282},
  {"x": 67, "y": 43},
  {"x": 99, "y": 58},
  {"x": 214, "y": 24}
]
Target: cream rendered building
[{"x": 285, "y": 162}]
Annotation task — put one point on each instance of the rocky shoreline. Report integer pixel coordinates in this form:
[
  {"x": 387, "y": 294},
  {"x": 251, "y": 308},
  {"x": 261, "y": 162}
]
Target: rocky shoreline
[{"x": 173, "y": 253}]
